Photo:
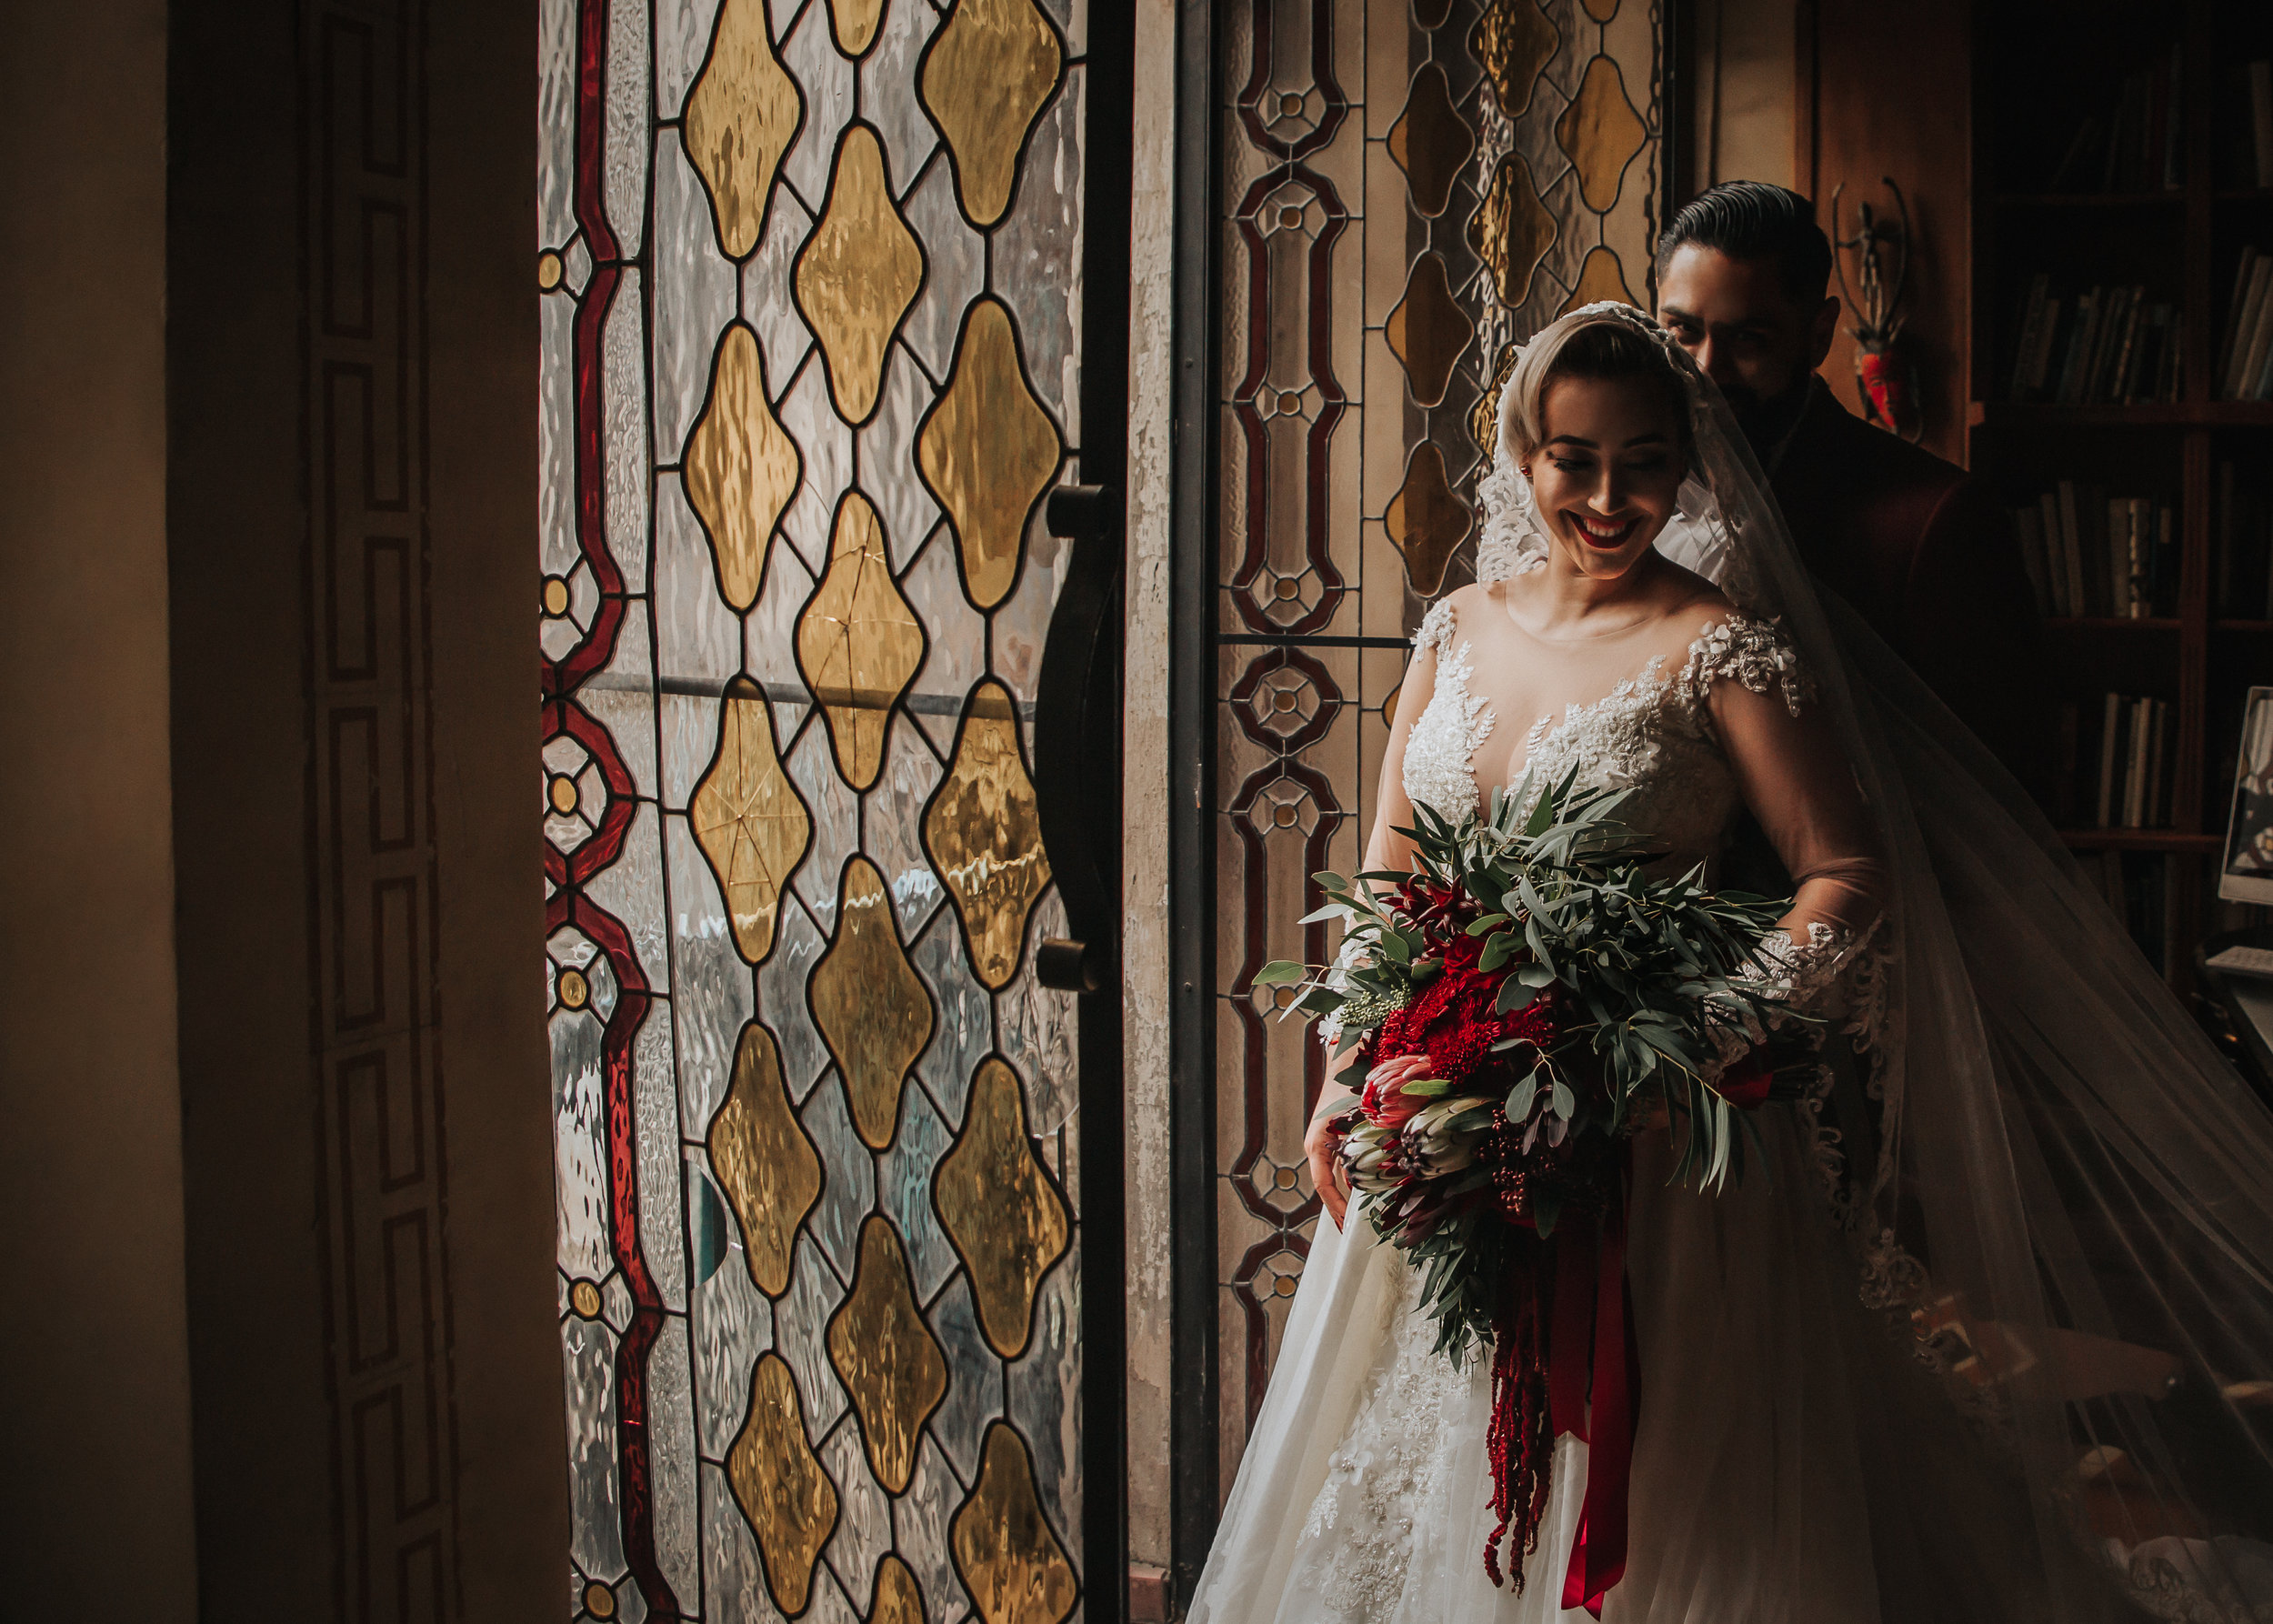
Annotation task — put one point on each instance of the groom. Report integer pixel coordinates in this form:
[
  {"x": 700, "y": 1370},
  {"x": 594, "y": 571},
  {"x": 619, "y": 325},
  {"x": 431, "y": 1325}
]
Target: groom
[{"x": 1920, "y": 549}]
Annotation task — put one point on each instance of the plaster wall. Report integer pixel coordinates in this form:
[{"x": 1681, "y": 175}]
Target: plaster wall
[
  {"x": 353, "y": 466},
  {"x": 96, "y": 1504},
  {"x": 1742, "y": 100},
  {"x": 1145, "y": 787}
]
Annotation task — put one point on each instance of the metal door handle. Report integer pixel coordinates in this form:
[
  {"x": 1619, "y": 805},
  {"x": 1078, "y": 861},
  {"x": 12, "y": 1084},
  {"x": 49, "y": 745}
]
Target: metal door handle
[{"x": 1076, "y": 740}]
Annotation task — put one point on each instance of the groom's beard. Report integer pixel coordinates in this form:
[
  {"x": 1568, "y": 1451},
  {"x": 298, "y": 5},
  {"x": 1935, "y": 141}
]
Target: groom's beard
[{"x": 1766, "y": 421}]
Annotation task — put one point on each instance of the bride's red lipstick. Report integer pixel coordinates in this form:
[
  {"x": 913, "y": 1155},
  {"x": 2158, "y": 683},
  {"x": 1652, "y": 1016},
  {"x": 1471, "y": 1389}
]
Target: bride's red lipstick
[{"x": 1607, "y": 540}]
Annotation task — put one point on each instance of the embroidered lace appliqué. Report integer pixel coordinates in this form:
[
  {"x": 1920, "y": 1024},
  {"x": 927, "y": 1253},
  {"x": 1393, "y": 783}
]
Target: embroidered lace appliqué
[
  {"x": 1390, "y": 1468},
  {"x": 1615, "y": 741},
  {"x": 1651, "y": 732},
  {"x": 1440, "y": 751},
  {"x": 1755, "y": 653}
]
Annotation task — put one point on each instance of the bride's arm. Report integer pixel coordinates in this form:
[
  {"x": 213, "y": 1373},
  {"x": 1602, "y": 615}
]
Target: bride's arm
[
  {"x": 1384, "y": 849},
  {"x": 1794, "y": 775}
]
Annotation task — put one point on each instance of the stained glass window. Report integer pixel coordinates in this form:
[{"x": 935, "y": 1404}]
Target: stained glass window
[
  {"x": 1408, "y": 191},
  {"x": 812, "y": 305}
]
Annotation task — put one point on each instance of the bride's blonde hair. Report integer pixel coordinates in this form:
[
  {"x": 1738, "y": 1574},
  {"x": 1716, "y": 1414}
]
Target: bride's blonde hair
[{"x": 1598, "y": 342}]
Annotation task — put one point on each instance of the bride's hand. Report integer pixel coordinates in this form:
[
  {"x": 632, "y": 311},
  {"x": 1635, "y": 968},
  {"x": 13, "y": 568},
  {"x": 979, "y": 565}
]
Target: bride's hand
[{"x": 1322, "y": 1143}]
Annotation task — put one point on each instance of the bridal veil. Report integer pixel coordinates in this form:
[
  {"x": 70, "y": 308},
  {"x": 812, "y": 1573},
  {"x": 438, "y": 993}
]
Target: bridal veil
[{"x": 2051, "y": 1188}]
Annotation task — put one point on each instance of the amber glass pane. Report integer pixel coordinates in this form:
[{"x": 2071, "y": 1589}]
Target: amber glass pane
[{"x": 810, "y": 289}]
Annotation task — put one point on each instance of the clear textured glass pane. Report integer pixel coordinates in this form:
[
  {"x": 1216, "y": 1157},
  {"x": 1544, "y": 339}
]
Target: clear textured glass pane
[
  {"x": 1043, "y": 1384},
  {"x": 894, "y": 811},
  {"x": 620, "y": 697},
  {"x": 887, "y": 458},
  {"x": 826, "y": 444},
  {"x": 850, "y": 1191},
  {"x": 904, "y": 1192},
  {"x": 694, "y": 295},
  {"x": 595, "y": 1529},
  {"x": 864, "y": 1517},
  {"x": 624, "y": 431},
  {"x": 731, "y": 1320},
  {"x": 781, "y": 1002},
  {"x": 782, "y": 335},
  {"x": 730, "y": 1560},
  {"x": 1037, "y": 255},
  {"x": 557, "y": 438},
  {"x": 555, "y": 122},
  {"x": 624, "y": 149},
  {"x": 698, "y": 639},
  {"x": 955, "y": 657},
  {"x": 826, "y": 79},
  {"x": 964, "y": 1017},
  {"x": 579, "y": 1155},
  {"x": 681, "y": 29},
  {"x": 655, "y": 1137},
  {"x": 685, "y": 1073},
  {"x": 919, "y": 1521},
  {"x": 671, "y": 1442},
  {"x": 908, "y": 136},
  {"x": 800, "y": 1327},
  {"x": 836, "y": 822}
]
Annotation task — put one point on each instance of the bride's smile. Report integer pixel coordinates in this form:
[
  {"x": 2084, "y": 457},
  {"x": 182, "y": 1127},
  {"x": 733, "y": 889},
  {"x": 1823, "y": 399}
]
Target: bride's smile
[{"x": 1609, "y": 472}]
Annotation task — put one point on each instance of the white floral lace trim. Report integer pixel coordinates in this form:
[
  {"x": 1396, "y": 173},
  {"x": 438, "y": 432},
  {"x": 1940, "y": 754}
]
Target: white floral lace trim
[
  {"x": 1390, "y": 1468},
  {"x": 1440, "y": 751},
  {"x": 1611, "y": 740},
  {"x": 1514, "y": 541},
  {"x": 2193, "y": 1582},
  {"x": 1754, "y": 653}
]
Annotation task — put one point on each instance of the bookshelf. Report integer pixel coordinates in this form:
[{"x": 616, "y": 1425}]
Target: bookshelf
[{"x": 2177, "y": 228}]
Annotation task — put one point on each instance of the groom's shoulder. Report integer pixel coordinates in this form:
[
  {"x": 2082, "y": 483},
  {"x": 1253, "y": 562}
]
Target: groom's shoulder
[
  {"x": 1865, "y": 458},
  {"x": 1847, "y": 486}
]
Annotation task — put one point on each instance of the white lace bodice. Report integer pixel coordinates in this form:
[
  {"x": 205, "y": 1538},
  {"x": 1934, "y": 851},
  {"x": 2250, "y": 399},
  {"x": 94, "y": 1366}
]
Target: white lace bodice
[{"x": 1652, "y": 732}]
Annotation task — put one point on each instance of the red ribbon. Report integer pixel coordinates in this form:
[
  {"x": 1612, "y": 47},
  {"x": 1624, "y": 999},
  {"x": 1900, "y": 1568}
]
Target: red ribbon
[
  {"x": 1594, "y": 1393},
  {"x": 1565, "y": 1362},
  {"x": 1591, "y": 1352}
]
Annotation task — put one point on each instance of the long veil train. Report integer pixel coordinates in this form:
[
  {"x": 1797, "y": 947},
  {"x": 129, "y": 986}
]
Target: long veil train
[{"x": 2056, "y": 1190}]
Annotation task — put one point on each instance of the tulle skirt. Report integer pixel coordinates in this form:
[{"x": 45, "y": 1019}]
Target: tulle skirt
[{"x": 1792, "y": 1463}]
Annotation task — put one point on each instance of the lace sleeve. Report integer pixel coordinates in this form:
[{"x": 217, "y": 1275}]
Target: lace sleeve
[
  {"x": 1754, "y": 653},
  {"x": 1791, "y": 978},
  {"x": 1434, "y": 636}
]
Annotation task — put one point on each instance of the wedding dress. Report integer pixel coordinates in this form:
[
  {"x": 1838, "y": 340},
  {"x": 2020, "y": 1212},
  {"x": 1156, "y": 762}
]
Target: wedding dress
[{"x": 1976, "y": 1339}]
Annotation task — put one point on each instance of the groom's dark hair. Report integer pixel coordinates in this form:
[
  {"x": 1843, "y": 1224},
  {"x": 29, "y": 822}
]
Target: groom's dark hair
[{"x": 1752, "y": 220}]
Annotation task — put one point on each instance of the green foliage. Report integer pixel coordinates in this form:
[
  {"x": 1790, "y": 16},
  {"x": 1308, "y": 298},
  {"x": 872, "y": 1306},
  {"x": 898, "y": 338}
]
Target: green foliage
[{"x": 1563, "y": 897}]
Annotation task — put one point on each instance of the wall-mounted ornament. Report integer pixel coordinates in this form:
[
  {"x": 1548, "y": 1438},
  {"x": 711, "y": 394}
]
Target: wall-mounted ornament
[{"x": 1883, "y": 364}]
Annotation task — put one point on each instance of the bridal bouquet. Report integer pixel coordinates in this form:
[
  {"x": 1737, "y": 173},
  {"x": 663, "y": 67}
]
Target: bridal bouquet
[{"x": 1513, "y": 1010}]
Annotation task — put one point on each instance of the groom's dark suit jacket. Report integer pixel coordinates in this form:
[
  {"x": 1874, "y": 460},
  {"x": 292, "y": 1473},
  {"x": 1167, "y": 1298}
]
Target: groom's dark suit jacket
[{"x": 1927, "y": 556}]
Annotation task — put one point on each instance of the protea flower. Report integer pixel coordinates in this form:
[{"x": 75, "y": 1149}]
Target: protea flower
[
  {"x": 1385, "y": 1100},
  {"x": 1435, "y": 1147}
]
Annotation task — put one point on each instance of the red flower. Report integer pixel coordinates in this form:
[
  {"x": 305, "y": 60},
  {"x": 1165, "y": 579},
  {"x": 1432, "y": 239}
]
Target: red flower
[
  {"x": 1746, "y": 1083},
  {"x": 1455, "y": 1021},
  {"x": 1385, "y": 1100}
]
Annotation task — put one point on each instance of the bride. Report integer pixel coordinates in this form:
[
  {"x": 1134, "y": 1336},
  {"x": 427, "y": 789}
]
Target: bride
[{"x": 1987, "y": 1335}]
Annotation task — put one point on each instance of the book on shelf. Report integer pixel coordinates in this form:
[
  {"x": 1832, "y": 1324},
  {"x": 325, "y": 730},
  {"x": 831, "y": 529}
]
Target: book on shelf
[
  {"x": 2119, "y": 758},
  {"x": 2245, "y": 359},
  {"x": 2242, "y": 547},
  {"x": 2137, "y": 888},
  {"x": 2131, "y": 144},
  {"x": 2089, "y": 554},
  {"x": 2102, "y": 346},
  {"x": 2261, "y": 120}
]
